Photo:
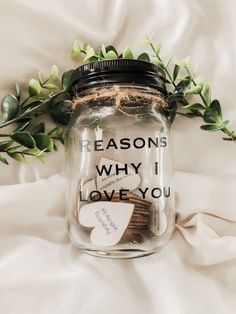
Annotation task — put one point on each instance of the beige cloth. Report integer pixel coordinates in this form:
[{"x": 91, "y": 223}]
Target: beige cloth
[{"x": 40, "y": 271}]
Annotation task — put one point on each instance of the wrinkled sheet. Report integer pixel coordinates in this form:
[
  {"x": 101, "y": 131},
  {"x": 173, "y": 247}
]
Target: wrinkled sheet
[{"x": 40, "y": 270}]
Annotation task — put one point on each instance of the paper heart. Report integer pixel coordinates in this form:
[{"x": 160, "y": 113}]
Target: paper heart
[
  {"x": 109, "y": 221},
  {"x": 109, "y": 180}
]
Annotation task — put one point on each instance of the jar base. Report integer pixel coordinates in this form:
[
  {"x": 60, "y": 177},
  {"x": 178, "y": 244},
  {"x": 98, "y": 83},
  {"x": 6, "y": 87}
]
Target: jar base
[{"x": 119, "y": 254}]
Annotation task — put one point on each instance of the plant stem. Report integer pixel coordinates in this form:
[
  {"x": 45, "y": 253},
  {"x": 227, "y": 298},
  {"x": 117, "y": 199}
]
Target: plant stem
[
  {"x": 167, "y": 71},
  {"x": 229, "y": 133},
  {"x": 195, "y": 84},
  {"x": 4, "y": 135},
  {"x": 23, "y": 115},
  {"x": 45, "y": 82},
  {"x": 225, "y": 130},
  {"x": 165, "y": 68}
]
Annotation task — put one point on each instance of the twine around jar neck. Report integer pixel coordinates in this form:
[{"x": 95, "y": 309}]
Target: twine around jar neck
[{"x": 120, "y": 95}]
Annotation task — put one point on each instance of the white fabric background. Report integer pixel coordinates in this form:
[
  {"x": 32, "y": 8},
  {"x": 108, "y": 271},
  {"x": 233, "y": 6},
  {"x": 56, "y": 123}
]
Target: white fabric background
[{"x": 40, "y": 271}]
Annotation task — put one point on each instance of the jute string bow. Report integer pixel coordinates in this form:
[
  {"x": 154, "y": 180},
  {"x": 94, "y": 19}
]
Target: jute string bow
[{"x": 120, "y": 96}]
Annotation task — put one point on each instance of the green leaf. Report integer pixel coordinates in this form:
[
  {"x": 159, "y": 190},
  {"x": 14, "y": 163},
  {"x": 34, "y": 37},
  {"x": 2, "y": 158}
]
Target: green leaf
[
  {"x": 176, "y": 97},
  {"x": 43, "y": 142},
  {"x": 148, "y": 40},
  {"x": 33, "y": 107},
  {"x": 9, "y": 107},
  {"x": 208, "y": 117},
  {"x": 77, "y": 46},
  {"x": 198, "y": 81},
  {"x": 214, "y": 127},
  {"x": 144, "y": 57},
  {"x": 206, "y": 93},
  {"x": 61, "y": 112},
  {"x": 182, "y": 63},
  {"x": 59, "y": 97},
  {"x": 111, "y": 55},
  {"x": 176, "y": 72},
  {"x": 21, "y": 126},
  {"x": 57, "y": 131},
  {"x": 159, "y": 63},
  {"x": 18, "y": 92},
  {"x": 40, "y": 128},
  {"x": 76, "y": 49},
  {"x": 183, "y": 84},
  {"x": 213, "y": 113},
  {"x": 50, "y": 86},
  {"x": 194, "y": 106},
  {"x": 85, "y": 47},
  {"x": 158, "y": 49},
  {"x": 170, "y": 111},
  {"x": 40, "y": 158},
  {"x": 111, "y": 48},
  {"x": 14, "y": 149},
  {"x": 216, "y": 108},
  {"x": 103, "y": 50},
  {"x": 24, "y": 139},
  {"x": 127, "y": 53},
  {"x": 109, "y": 52},
  {"x": 73, "y": 54},
  {"x": 4, "y": 145},
  {"x": 31, "y": 151},
  {"x": 34, "y": 88},
  {"x": 16, "y": 156},
  {"x": 40, "y": 78},
  {"x": 40, "y": 153},
  {"x": 54, "y": 72},
  {"x": 4, "y": 160},
  {"x": 95, "y": 58},
  {"x": 89, "y": 53},
  {"x": 66, "y": 80},
  {"x": 194, "y": 90}
]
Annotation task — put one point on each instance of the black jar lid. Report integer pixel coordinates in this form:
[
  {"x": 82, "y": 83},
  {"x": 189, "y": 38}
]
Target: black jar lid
[{"x": 117, "y": 71}]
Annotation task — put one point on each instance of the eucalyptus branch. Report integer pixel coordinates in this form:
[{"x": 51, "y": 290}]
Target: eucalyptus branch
[
  {"x": 26, "y": 140},
  {"x": 51, "y": 97},
  {"x": 210, "y": 111},
  {"x": 27, "y": 113},
  {"x": 214, "y": 110},
  {"x": 161, "y": 62}
]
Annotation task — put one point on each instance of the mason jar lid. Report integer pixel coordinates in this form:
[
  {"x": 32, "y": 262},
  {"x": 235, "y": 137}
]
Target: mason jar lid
[{"x": 118, "y": 71}]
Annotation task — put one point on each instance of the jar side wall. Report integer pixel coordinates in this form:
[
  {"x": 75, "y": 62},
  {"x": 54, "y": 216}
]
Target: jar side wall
[{"x": 140, "y": 143}]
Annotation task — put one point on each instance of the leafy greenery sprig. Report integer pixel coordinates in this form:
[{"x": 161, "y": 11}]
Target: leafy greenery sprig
[
  {"x": 44, "y": 97},
  {"x": 187, "y": 96}
]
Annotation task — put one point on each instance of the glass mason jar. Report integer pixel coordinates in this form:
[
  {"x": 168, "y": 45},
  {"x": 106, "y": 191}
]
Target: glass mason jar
[{"x": 119, "y": 160}]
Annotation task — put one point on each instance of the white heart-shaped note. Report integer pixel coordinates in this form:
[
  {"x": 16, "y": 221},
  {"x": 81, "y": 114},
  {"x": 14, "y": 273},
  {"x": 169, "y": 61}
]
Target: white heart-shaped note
[
  {"x": 109, "y": 221},
  {"x": 110, "y": 176}
]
